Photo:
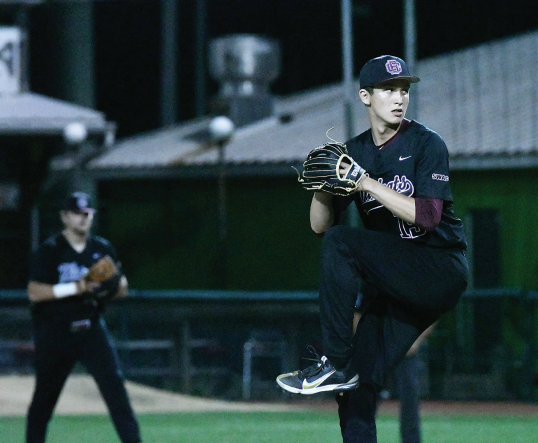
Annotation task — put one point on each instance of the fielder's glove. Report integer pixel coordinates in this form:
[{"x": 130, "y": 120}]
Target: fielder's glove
[
  {"x": 103, "y": 278},
  {"x": 324, "y": 170},
  {"x": 102, "y": 269}
]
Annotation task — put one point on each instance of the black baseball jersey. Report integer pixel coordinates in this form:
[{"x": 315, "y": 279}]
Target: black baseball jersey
[
  {"x": 55, "y": 261},
  {"x": 414, "y": 163}
]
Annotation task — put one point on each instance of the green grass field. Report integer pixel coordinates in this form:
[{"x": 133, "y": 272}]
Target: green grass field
[{"x": 296, "y": 427}]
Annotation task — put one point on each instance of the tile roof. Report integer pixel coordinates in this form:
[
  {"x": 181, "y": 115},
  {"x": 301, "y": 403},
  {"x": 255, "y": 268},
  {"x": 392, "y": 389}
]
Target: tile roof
[{"x": 482, "y": 100}]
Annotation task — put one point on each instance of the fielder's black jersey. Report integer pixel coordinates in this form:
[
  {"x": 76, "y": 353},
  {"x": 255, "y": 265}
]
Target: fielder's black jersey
[
  {"x": 55, "y": 261},
  {"x": 414, "y": 163}
]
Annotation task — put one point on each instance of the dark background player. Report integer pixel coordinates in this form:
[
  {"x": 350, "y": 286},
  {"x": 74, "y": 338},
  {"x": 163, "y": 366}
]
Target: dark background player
[
  {"x": 67, "y": 320},
  {"x": 409, "y": 251}
]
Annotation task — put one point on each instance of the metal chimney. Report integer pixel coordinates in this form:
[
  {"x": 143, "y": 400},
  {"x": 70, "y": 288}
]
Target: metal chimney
[{"x": 244, "y": 65}]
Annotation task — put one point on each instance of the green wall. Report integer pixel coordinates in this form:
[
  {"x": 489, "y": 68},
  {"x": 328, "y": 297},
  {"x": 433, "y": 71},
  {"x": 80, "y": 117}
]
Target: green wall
[
  {"x": 166, "y": 231},
  {"x": 514, "y": 194}
]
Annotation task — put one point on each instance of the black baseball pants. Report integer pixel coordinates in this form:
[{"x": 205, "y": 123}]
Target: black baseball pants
[
  {"x": 57, "y": 351},
  {"x": 408, "y": 383},
  {"x": 414, "y": 286}
]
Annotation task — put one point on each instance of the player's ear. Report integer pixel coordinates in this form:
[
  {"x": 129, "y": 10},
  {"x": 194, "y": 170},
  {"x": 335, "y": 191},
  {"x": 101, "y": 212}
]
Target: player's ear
[{"x": 365, "y": 96}]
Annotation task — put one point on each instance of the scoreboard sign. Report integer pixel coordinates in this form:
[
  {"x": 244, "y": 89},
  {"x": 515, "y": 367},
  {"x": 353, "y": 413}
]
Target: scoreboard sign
[{"x": 10, "y": 62}]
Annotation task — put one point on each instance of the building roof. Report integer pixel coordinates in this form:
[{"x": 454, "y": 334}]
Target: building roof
[
  {"x": 482, "y": 100},
  {"x": 28, "y": 113},
  {"x": 300, "y": 123}
]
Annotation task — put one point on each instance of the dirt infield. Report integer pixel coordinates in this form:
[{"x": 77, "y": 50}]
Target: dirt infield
[{"x": 81, "y": 396}]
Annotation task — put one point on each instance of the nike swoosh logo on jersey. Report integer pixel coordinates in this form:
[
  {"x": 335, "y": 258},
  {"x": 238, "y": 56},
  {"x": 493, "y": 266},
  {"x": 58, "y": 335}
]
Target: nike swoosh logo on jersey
[
  {"x": 319, "y": 381},
  {"x": 405, "y": 158}
]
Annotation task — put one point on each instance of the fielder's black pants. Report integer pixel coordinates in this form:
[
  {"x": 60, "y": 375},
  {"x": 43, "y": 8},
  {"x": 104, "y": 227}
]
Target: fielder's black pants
[
  {"x": 57, "y": 351},
  {"x": 415, "y": 285}
]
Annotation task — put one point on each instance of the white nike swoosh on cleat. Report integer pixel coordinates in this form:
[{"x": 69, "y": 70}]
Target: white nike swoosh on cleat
[
  {"x": 404, "y": 158},
  {"x": 354, "y": 379},
  {"x": 307, "y": 385}
]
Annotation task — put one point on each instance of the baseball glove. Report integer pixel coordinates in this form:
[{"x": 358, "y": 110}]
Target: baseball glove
[
  {"x": 325, "y": 170},
  {"x": 102, "y": 269},
  {"x": 108, "y": 274}
]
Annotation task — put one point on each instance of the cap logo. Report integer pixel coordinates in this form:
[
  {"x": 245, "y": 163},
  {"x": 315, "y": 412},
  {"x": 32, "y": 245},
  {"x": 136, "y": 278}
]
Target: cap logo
[
  {"x": 393, "y": 67},
  {"x": 82, "y": 203}
]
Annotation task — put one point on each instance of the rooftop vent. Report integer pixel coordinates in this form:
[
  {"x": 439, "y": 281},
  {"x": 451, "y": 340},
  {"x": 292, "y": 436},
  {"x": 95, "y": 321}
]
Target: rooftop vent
[{"x": 244, "y": 65}]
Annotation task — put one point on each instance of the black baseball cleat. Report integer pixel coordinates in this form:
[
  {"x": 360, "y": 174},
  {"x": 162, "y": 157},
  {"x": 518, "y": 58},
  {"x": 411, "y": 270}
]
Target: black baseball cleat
[{"x": 320, "y": 377}]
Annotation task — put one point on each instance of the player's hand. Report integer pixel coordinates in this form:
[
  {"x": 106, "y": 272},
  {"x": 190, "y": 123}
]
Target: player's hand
[
  {"x": 85, "y": 285},
  {"x": 101, "y": 290},
  {"x": 108, "y": 288},
  {"x": 346, "y": 165}
]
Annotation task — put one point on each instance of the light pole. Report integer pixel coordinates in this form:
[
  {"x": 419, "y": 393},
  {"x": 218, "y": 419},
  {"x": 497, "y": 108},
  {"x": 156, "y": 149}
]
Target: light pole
[
  {"x": 221, "y": 129},
  {"x": 347, "y": 65},
  {"x": 348, "y": 85},
  {"x": 410, "y": 53}
]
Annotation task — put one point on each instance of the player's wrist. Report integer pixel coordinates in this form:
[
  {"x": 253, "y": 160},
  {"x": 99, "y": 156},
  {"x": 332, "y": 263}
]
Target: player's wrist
[
  {"x": 82, "y": 285},
  {"x": 363, "y": 183},
  {"x": 62, "y": 290}
]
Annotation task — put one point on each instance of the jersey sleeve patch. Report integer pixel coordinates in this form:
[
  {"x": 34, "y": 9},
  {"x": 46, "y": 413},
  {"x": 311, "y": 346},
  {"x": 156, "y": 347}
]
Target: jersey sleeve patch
[
  {"x": 440, "y": 177},
  {"x": 432, "y": 170}
]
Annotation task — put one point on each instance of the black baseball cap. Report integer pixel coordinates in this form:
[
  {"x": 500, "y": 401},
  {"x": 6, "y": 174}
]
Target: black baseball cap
[
  {"x": 78, "y": 201},
  {"x": 382, "y": 69}
]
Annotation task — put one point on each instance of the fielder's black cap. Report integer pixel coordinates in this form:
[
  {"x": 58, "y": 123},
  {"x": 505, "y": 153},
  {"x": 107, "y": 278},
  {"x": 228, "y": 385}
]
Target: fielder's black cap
[
  {"x": 78, "y": 201},
  {"x": 382, "y": 69}
]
